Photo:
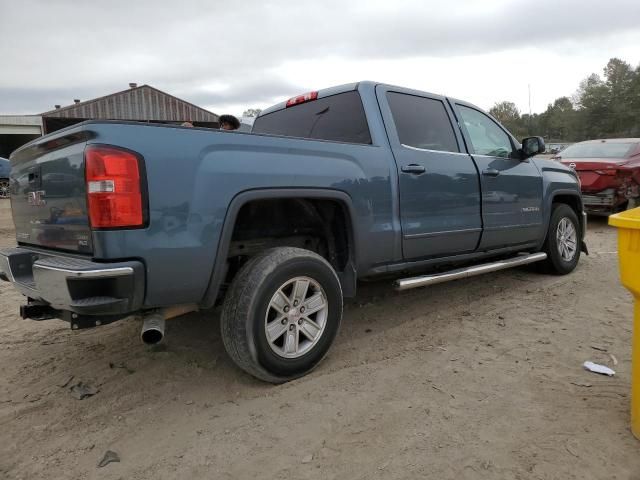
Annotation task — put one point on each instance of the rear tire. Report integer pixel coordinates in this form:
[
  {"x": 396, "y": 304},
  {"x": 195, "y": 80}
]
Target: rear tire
[
  {"x": 281, "y": 314},
  {"x": 562, "y": 245}
]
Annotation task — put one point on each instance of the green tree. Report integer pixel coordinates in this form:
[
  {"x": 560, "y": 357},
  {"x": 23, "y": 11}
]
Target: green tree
[
  {"x": 558, "y": 122},
  {"x": 619, "y": 77},
  {"x": 508, "y": 115},
  {"x": 252, "y": 112},
  {"x": 594, "y": 105},
  {"x": 601, "y": 107},
  {"x": 634, "y": 103}
]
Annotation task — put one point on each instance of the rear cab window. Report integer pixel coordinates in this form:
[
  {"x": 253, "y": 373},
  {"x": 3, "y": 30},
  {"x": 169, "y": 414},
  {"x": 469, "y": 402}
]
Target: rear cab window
[{"x": 337, "y": 118}]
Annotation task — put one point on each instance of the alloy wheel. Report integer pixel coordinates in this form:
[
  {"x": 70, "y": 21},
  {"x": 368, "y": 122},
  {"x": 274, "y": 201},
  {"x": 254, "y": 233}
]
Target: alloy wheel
[
  {"x": 296, "y": 317},
  {"x": 567, "y": 239}
]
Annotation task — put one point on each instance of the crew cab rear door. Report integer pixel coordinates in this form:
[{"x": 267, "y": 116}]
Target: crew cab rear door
[
  {"x": 438, "y": 183},
  {"x": 511, "y": 187}
]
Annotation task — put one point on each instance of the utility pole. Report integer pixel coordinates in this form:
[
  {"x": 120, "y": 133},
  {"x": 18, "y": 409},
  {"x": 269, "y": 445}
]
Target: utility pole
[{"x": 529, "y": 128}]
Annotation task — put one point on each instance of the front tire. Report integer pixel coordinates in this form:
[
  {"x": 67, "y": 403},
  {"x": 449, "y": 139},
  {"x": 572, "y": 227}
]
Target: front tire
[
  {"x": 281, "y": 314},
  {"x": 562, "y": 245}
]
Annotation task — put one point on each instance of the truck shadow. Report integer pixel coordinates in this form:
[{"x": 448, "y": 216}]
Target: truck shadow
[
  {"x": 435, "y": 312},
  {"x": 192, "y": 364}
]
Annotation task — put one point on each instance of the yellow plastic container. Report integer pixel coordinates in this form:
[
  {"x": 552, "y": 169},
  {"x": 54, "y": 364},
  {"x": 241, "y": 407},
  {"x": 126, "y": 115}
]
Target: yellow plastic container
[{"x": 628, "y": 224}]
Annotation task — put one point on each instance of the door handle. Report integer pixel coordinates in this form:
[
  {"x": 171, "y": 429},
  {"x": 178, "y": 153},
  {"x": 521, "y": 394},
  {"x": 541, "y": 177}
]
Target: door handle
[
  {"x": 491, "y": 172},
  {"x": 413, "y": 168}
]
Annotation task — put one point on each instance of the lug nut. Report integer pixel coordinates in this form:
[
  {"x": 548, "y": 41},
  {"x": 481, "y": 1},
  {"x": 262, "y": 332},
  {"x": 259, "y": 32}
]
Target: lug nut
[
  {"x": 286, "y": 308},
  {"x": 301, "y": 309},
  {"x": 284, "y": 321},
  {"x": 291, "y": 327},
  {"x": 300, "y": 322},
  {"x": 295, "y": 303}
]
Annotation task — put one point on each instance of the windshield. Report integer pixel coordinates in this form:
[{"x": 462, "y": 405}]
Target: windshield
[{"x": 597, "y": 150}]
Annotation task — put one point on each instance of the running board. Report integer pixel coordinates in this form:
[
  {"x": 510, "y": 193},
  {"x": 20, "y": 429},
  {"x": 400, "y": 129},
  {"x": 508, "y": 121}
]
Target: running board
[{"x": 415, "y": 282}]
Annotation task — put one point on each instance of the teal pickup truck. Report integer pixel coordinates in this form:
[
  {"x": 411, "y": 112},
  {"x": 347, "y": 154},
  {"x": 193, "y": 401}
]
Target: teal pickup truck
[{"x": 121, "y": 219}]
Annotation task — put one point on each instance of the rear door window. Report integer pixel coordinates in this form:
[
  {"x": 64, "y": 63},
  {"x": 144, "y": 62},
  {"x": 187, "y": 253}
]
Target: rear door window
[
  {"x": 339, "y": 118},
  {"x": 422, "y": 122}
]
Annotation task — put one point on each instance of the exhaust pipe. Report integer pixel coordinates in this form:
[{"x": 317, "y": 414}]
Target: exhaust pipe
[
  {"x": 154, "y": 322},
  {"x": 153, "y": 329}
]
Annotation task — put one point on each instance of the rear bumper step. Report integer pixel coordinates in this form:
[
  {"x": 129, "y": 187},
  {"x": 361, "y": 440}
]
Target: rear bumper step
[
  {"x": 56, "y": 283},
  {"x": 424, "y": 280}
]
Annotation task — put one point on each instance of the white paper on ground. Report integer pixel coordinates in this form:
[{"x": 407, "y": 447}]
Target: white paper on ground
[{"x": 594, "y": 367}]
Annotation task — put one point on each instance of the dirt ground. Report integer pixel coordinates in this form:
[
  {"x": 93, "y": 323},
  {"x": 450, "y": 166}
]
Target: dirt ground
[{"x": 480, "y": 378}]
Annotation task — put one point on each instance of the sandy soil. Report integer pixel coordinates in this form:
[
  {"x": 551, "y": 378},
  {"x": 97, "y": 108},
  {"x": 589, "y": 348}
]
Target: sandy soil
[{"x": 480, "y": 378}]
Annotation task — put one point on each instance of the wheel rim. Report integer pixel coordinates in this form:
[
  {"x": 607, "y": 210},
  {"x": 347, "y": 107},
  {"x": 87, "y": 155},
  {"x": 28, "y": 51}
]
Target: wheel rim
[
  {"x": 296, "y": 317},
  {"x": 4, "y": 188},
  {"x": 567, "y": 239}
]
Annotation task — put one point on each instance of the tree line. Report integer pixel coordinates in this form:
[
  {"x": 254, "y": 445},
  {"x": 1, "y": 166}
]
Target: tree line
[{"x": 601, "y": 107}]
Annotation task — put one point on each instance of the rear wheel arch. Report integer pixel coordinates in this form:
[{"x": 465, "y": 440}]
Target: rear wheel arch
[{"x": 305, "y": 197}]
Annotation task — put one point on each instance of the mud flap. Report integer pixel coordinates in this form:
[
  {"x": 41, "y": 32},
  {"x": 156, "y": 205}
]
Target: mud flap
[{"x": 583, "y": 247}]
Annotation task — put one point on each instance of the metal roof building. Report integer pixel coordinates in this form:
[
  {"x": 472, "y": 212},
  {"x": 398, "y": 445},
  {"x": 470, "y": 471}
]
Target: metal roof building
[
  {"x": 16, "y": 130},
  {"x": 138, "y": 103}
]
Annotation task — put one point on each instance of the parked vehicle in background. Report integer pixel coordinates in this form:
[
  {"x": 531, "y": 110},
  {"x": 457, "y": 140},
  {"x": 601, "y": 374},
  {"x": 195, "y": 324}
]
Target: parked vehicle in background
[
  {"x": 5, "y": 170},
  {"x": 332, "y": 186},
  {"x": 554, "y": 148},
  {"x": 609, "y": 172}
]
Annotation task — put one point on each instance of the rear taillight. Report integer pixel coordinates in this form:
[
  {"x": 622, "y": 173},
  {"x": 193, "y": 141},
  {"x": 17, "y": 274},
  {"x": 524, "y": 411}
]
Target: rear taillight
[
  {"x": 307, "y": 97},
  {"x": 114, "y": 189}
]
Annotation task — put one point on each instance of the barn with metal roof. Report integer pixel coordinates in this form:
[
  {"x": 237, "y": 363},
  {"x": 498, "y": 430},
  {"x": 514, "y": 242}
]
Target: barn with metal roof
[{"x": 138, "y": 103}]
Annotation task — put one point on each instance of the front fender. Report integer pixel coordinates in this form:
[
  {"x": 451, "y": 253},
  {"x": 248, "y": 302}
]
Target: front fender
[{"x": 559, "y": 183}]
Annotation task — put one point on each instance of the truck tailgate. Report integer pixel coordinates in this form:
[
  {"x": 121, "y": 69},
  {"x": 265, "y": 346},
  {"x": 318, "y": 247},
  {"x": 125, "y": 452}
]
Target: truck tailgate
[{"x": 49, "y": 193}]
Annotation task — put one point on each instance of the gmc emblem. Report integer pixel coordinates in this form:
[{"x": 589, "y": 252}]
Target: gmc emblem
[{"x": 36, "y": 198}]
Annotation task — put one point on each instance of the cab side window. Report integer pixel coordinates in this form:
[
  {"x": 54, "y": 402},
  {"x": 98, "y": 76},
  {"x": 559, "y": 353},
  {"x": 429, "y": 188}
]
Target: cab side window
[
  {"x": 487, "y": 138},
  {"x": 422, "y": 122}
]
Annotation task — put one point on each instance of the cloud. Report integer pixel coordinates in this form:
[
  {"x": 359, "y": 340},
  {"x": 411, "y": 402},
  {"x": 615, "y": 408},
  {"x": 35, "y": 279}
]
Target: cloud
[
  {"x": 261, "y": 89},
  {"x": 231, "y": 54},
  {"x": 32, "y": 100}
]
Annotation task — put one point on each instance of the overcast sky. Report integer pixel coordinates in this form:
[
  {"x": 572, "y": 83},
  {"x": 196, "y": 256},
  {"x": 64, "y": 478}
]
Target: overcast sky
[{"x": 229, "y": 56}]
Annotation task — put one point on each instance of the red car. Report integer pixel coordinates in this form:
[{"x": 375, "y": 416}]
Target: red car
[{"x": 609, "y": 172}]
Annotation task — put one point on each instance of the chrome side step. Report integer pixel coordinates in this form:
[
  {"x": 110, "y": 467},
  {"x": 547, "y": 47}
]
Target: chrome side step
[{"x": 423, "y": 280}]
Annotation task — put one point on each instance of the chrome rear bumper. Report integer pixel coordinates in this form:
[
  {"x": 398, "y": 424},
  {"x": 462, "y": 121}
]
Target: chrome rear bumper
[{"x": 74, "y": 284}]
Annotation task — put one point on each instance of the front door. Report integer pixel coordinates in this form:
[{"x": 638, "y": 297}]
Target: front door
[
  {"x": 438, "y": 184},
  {"x": 511, "y": 187}
]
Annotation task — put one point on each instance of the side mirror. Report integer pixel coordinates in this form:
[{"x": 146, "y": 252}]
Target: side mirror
[{"x": 532, "y": 146}]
